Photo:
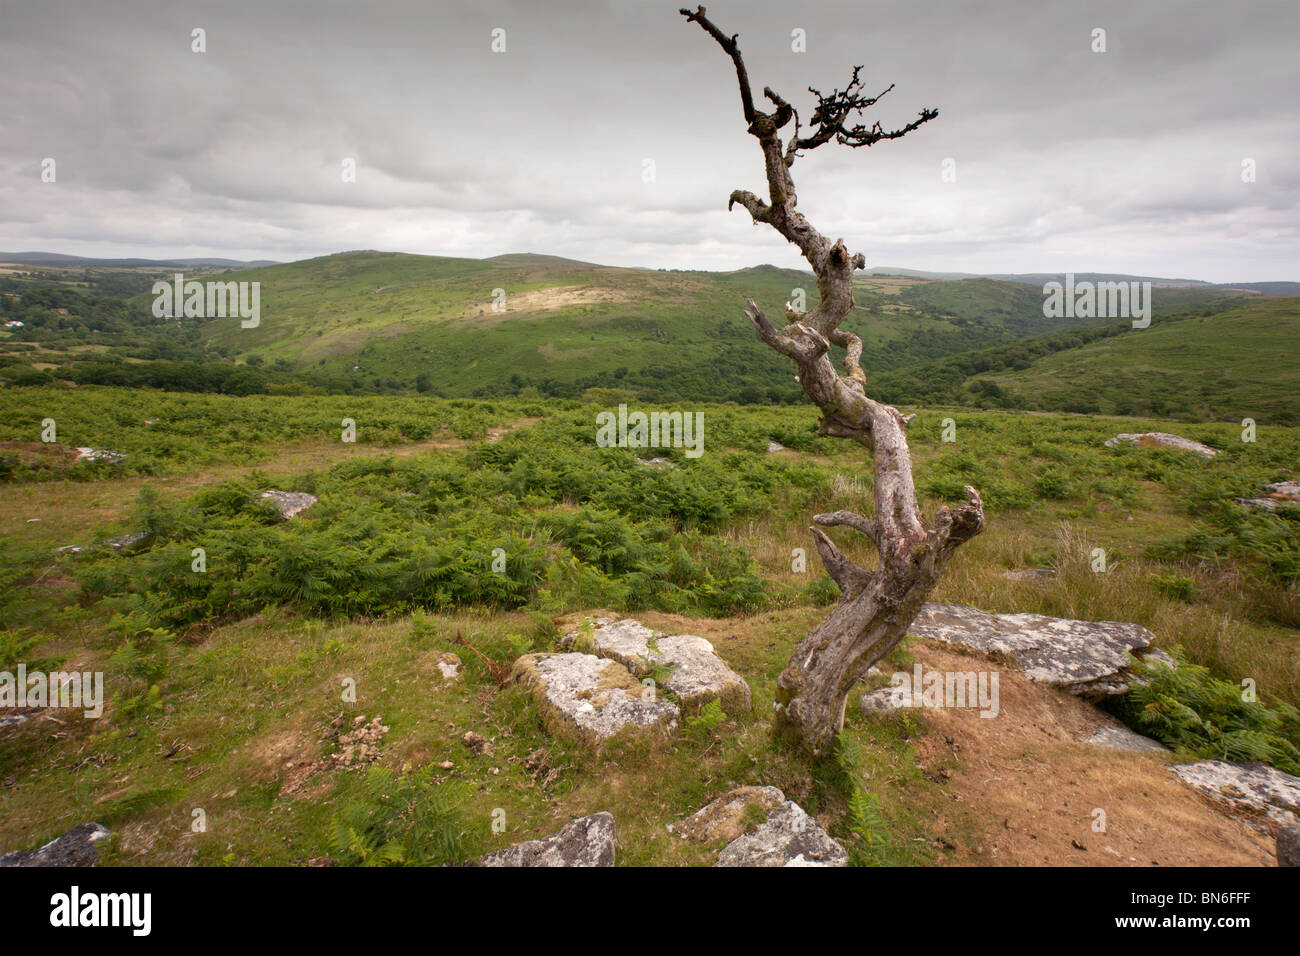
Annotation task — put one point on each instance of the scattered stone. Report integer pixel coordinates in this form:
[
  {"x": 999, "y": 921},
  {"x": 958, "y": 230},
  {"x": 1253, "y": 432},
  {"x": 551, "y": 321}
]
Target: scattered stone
[
  {"x": 105, "y": 455},
  {"x": 587, "y": 841},
  {"x": 725, "y": 818},
  {"x": 698, "y": 675},
  {"x": 1278, "y": 493},
  {"x": 885, "y": 699},
  {"x": 449, "y": 666},
  {"x": 1259, "y": 792},
  {"x": 1090, "y": 659},
  {"x": 122, "y": 542},
  {"x": 789, "y": 837},
  {"x": 1288, "y": 846},
  {"x": 1165, "y": 439},
  {"x": 658, "y": 464},
  {"x": 1036, "y": 575},
  {"x": 1121, "y": 738},
  {"x": 74, "y": 848},
  {"x": 290, "y": 503},
  {"x": 588, "y": 700},
  {"x": 774, "y": 446},
  {"x": 477, "y": 743},
  {"x": 360, "y": 746}
]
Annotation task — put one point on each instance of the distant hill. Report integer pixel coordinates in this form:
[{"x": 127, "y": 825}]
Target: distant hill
[
  {"x": 525, "y": 324},
  {"x": 1040, "y": 278},
  {"x": 1239, "y": 363},
  {"x": 59, "y": 259},
  {"x": 560, "y": 326}
]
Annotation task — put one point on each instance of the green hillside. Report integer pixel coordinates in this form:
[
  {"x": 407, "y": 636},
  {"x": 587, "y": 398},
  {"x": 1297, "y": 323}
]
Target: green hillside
[
  {"x": 389, "y": 323},
  {"x": 1210, "y": 363},
  {"x": 388, "y": 320},
  {"x": 1237, "y": 364}
]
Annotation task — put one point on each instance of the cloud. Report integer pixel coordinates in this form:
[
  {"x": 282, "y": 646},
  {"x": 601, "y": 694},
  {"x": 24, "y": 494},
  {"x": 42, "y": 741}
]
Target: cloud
[{"x": 1128, "y": 160}]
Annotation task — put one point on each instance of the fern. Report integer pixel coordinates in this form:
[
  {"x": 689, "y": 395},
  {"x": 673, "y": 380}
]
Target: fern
[
  {"x": 1203, "y": 717},
  {"x": 400, "y": 820}
]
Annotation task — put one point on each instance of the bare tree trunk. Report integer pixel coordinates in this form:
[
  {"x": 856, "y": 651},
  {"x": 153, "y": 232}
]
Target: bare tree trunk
[{"x": 875, "y": 607}]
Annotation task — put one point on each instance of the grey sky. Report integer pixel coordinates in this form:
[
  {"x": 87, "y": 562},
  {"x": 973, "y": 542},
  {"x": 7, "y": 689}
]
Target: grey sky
[{"x": 1128, "y": 160}]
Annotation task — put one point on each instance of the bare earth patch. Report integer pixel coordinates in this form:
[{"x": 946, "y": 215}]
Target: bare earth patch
[
  {"x": 1034, "y": 788},
  {"x": 544, "y": 300}
]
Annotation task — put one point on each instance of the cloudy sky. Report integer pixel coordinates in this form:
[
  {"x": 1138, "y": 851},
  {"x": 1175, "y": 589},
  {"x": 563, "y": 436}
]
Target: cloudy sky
[{"x": 1128, "y": 160}]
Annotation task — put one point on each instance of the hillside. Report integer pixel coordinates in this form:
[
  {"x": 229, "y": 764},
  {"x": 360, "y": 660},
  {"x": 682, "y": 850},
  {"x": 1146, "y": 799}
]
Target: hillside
[
  {"x": 385, "y": 318},
  {"x": 1236, "y": 364},
  {"x": 374, "y": 322},
  {"x": 1210, "y": 363}
]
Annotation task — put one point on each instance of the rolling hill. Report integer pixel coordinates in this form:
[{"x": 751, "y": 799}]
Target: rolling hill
[
  {"x": 375, "y": 322},
  {"x": 560, "y": 326},
  {"x": 1244, "y": 363},
  {"x": 1204, "y": 365}
]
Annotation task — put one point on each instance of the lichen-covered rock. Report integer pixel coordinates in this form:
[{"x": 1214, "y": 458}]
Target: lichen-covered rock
[
  {"x": 77, "y": 847},
  {"x": 725, "y": 818},
  {"x": 587, "y": 699},
  {"x": 698, "y": 674},
  {"x": 290, "y": 503},
  {"x": 1278, "y": 493},
  {"x": 1257, "y": 791},
  {"x": 1087, "y": 658},
  {"x": 885, "y": 699},
  {"x": 1288, "y": 846},
  {"x": 449, "y": 665},
  {"x": 121, "y": 542},
  {"x": 658, "y": 464},
  {"x": 105, "y": 455},
  {"x": 1121, "y": 738},
  {"x": 587, "y": 841},
  {"x": 788, "y": 837},
  {"x": 1165, "y": 439}
]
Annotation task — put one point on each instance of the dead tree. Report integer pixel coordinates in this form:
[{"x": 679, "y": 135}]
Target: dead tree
[{"x": 875, "y": 606}]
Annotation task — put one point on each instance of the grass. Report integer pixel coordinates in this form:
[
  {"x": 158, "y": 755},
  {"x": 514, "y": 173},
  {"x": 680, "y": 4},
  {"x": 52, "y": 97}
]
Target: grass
[{"x": 220, "y": 712}]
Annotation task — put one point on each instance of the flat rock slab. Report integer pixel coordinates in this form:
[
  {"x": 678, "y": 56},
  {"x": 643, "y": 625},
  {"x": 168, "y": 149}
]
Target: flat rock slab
[
  {"x": 1259, "y": 792},
  {"x": 587, "y": 841},
  {"x": 1165, "y": 439},
  {"x": 788, "y": 837},
  {"x": 121, "y": 542},
  {"x": 725, "y": 818},
  {"x": 1088, "y": 658},
  {"x": 74, "y": 848},
  {"x": 1121, "y": 738},
  {"x": 106, "y": 455},
  {"x": 1278, "y": 493},
  {"x": 290, "y": 503},
  {"x": 587, "y": 699},
  {"x": 698, "y": 675}
]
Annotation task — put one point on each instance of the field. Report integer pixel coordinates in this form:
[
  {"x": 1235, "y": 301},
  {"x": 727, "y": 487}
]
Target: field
[{"x": 225, "y": 686}]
